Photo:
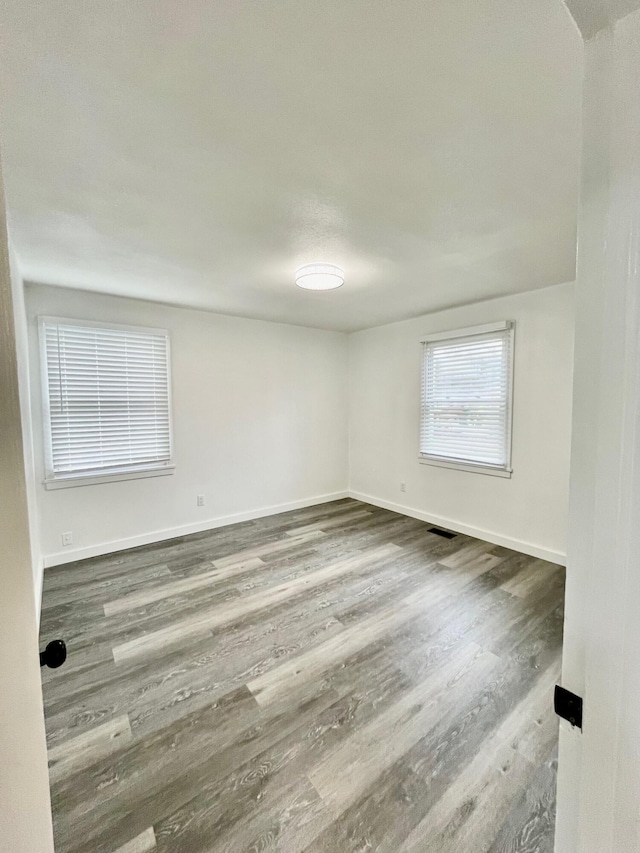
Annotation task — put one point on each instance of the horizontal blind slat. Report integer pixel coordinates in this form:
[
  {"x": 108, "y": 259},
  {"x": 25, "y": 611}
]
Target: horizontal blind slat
[
  {"x": 108, "y": 397},
  {"x": 465, "y": 402}
]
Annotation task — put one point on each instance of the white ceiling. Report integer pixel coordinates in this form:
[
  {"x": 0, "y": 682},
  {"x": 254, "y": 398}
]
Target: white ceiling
[
  {"x": 197, "y": 152},
  {"x": 592, "y": 15}
]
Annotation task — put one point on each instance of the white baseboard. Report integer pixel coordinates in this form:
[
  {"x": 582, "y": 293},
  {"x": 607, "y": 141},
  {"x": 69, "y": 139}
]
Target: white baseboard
[
  {"x": 477, "y": 532},
  {"x": 59, "y": 559}
]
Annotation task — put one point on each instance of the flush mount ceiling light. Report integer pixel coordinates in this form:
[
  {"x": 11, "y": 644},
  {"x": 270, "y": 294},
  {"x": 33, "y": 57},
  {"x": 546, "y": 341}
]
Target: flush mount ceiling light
[{"x": 319, "y": 276}]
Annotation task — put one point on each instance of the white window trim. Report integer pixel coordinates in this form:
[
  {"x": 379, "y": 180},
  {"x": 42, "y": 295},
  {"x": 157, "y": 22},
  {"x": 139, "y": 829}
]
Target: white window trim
[
  {"x": 52, "y": 480},
  {"x": 475, "y": 468},
  {"x": 69, "y": 481},
  {"x": 505, "y": 471}
]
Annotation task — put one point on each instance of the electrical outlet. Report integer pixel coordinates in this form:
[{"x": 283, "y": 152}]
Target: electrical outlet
[
  {"x": 200, "y": 500},
  {"x": 403, "y": 487},
  {"x": 67, "y": 539}
]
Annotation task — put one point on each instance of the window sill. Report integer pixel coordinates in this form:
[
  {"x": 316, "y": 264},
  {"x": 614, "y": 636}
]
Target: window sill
[
  {"x": 95, "y": 479},
  {"x": 466, "y": 466}
]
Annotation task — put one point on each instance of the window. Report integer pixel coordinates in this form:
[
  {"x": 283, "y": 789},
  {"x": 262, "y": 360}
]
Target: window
[
  {"x": 106, "y": 400},
  {"x": 466, "y": 399}
]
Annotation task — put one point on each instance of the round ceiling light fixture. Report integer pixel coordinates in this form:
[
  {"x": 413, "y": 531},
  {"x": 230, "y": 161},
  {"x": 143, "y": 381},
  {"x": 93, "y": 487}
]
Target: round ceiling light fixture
[{"x": 320, "y": 276}]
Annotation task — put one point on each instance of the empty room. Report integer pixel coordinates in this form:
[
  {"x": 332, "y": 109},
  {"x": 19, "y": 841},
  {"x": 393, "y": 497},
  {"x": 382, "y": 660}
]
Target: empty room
[{"x": 319, "y": 395}]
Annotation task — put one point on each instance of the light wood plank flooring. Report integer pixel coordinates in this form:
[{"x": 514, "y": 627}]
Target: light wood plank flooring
[{"x": 332, "y": 680}]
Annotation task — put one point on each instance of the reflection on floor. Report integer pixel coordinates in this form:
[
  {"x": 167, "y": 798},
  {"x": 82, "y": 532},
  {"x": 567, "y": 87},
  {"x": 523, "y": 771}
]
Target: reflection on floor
[{"x": 333, "y": 679}]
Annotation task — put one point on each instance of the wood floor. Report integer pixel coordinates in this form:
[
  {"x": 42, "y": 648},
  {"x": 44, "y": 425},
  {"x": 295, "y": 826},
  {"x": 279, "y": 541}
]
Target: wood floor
[{"x": 330, "y": 680}]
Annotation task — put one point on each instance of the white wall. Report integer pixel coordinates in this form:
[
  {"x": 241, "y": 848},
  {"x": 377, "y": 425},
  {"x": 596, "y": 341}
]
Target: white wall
[
  {"x": 25, "y": 816},
  {"x": 260, "y": 424},
  {"x": 527, "y": 512}
]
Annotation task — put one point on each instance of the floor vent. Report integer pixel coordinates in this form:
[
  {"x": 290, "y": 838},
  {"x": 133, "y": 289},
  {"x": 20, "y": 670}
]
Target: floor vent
[{"x": 446, "y": 533}]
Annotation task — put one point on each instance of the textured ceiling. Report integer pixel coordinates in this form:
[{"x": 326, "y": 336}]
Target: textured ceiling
[
  {"x": 196, "y": 153},
  {"x": 593, "y": 15}
]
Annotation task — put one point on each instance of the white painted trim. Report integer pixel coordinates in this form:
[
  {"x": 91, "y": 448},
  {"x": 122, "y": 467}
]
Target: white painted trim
[
  {"x": 87, "y": 478},
  {"x": 464, "y": 466},
  {"x": 599, "y": 771},
  {"x": 39, "y": 590},
  {"x": 469, "y": 335},
  {"x": 477, "y": 532},
  {"x": 99, "y": 324},
  {"x": 60, "y": 558},
  {"x": 69, "y": 481},
  {"x": 469, "y": 332}
]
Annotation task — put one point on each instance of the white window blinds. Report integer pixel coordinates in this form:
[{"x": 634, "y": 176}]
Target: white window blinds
[
  {"x": 107, "y": 399},
  {"x": 466, "y": 397}
]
